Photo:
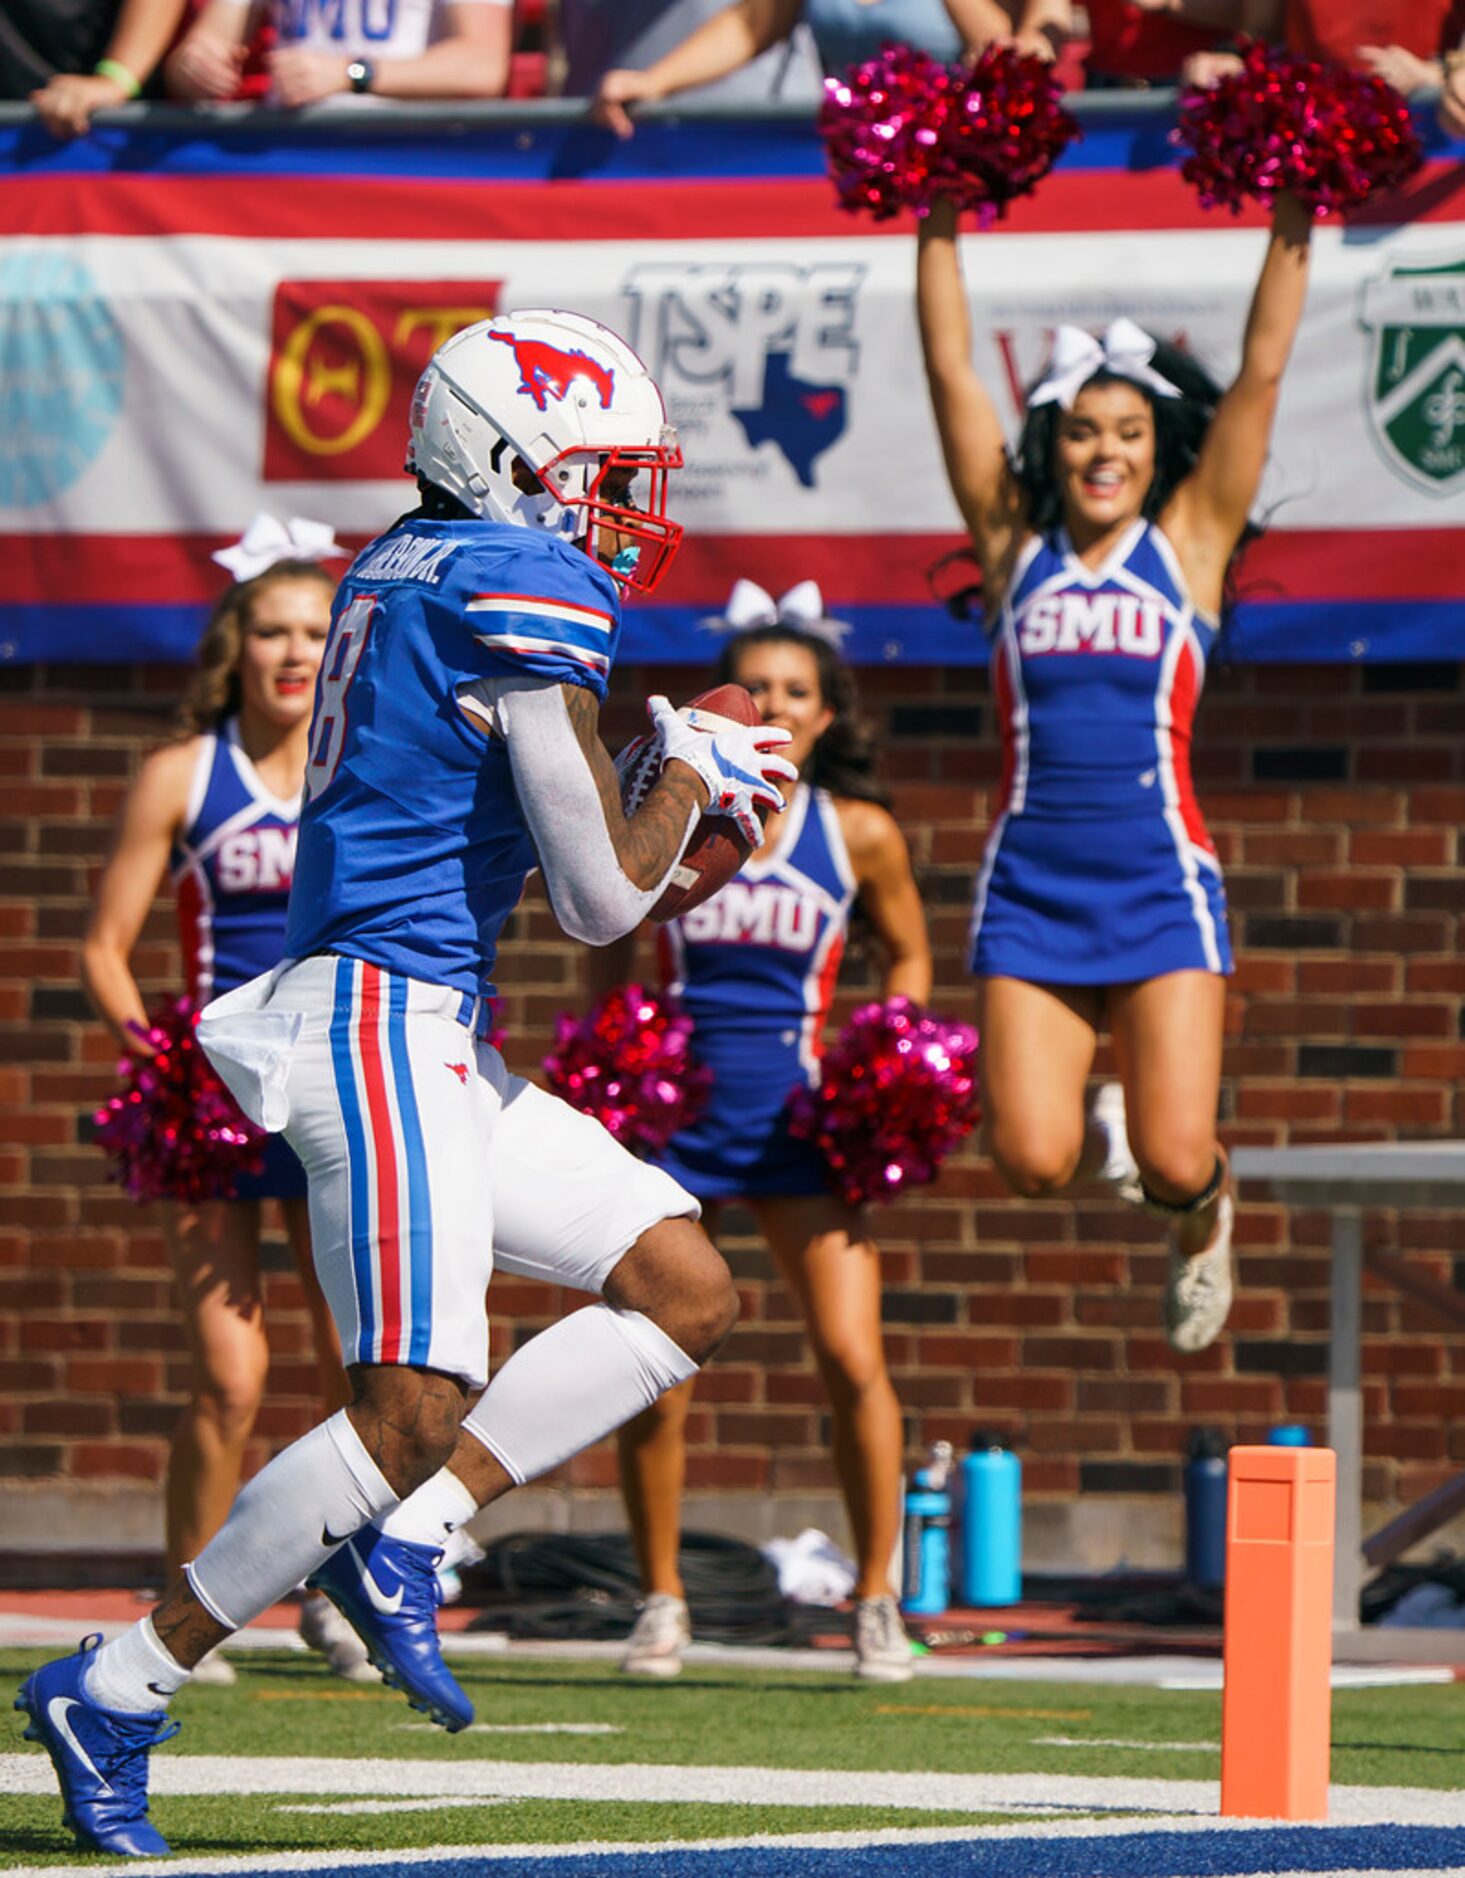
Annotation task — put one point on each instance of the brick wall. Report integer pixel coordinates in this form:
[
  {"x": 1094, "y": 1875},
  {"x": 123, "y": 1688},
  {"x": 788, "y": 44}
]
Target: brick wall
[{"x": 1337, "y": 798}]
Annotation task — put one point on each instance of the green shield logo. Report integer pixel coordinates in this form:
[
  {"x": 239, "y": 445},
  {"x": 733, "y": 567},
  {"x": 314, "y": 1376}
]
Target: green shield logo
[{"x": 1417, "y": 376}]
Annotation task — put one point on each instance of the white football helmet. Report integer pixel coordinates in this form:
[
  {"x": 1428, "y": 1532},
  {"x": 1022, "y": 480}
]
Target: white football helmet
[{"x": 571, "y": 400}]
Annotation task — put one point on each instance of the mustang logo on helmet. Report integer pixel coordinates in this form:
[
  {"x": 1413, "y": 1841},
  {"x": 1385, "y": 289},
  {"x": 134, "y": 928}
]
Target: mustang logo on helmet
[
  {"x": 546, "y": 372},
  {"x": 591, "y": 466}
]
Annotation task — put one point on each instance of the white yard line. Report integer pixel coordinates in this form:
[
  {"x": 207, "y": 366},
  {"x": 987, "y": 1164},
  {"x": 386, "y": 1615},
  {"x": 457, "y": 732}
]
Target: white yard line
[
  {"x": 584, "y": 1782},
  {"x": 1095, "y": 1741}
]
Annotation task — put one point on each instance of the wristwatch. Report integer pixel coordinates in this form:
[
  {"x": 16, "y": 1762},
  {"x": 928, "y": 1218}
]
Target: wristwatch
[{"x": 359, "y": 74}]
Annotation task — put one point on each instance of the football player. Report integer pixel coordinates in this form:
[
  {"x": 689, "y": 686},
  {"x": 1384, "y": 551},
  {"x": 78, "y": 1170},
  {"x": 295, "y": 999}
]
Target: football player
[{"x": 454, "y": 746}]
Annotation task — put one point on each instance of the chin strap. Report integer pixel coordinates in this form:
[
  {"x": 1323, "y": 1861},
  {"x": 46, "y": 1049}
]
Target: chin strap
[{"x": 1197, "y": 1203}]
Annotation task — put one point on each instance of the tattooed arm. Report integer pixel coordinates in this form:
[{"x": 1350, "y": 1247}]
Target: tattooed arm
[{"x": 604, "y": 871}]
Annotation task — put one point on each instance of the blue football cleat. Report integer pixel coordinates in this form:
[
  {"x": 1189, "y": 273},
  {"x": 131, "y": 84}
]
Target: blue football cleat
[
  {"x": 100, "y": 1756},
  {"x": 388, "y": 1591}
]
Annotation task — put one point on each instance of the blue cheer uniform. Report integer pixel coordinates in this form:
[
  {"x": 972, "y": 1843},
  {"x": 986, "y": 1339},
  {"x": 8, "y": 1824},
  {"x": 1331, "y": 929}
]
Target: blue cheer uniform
[
  {"x": 755, "y": 970},
  {"x": 413, "y": 846},
  {"x": 231, "y": 868},
  {"x": 1099, "y": 869}
]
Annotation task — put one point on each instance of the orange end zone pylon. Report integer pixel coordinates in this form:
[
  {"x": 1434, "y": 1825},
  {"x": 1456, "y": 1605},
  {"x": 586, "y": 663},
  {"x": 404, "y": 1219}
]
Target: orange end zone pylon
[{"x": 1279, "y": 1633}]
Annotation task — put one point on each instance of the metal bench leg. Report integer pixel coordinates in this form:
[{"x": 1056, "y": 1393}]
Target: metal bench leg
[{"x": 1345, "y": 1412}]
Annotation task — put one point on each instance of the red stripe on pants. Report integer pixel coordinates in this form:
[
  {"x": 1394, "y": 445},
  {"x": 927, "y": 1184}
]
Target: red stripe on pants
[{"x": 388, "y": 1234}]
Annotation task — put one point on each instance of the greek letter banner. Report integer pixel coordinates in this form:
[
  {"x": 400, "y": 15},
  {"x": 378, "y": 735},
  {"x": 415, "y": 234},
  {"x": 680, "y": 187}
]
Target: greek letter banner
[{"x": 199, "y": 320}]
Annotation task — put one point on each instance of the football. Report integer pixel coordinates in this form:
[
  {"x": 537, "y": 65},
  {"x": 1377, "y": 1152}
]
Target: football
[{"x": 717, "y": 849}]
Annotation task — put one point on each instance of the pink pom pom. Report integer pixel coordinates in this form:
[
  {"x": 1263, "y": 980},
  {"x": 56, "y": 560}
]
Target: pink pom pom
[
  {"x": 1327, "y": 133},
  {"x": 901, "y": 130},
  {"x": 628, "y": 1063},
  {"x": 173, "y": 1131},
  {"x": 897, "y": 1092}
]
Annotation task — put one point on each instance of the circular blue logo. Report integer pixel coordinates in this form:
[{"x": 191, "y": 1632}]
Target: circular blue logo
[{"x": 61, "y": 369}]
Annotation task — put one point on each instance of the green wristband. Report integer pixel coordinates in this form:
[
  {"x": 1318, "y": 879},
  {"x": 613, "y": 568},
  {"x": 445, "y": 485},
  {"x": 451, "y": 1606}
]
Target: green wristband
[{"x": 119, "y": 75}]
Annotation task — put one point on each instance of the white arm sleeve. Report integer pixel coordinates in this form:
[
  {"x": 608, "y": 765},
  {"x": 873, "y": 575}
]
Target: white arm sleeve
[{"x": 592, "y": 898}]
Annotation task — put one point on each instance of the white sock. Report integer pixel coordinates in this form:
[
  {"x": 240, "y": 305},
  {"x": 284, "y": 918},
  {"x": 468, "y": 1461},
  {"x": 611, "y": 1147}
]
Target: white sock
[
  {"x": 290, "y": 1517},
  {"x": 427, "y": 1517},
  {"x": 571, "y": 1385},
  {"x": 134, "y": 1672}
]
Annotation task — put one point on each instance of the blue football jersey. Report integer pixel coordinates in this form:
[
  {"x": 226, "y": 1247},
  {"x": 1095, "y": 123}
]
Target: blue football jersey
[{"x": 413, "y": 847}]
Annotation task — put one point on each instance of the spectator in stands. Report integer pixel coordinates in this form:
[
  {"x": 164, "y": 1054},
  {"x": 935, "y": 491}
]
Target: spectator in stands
[
  {"x": 434, "y": 49},
  {"x": 73, "y": 58},
  {"x": 1452, "y": 96},
  {"x": 843, "y": 33},
  {"x": 1137, "y": 43},
  {"x": 1403, "y": 41},
  {"x": 601, "y": 36},
  {"x": 217, "y": 808}
]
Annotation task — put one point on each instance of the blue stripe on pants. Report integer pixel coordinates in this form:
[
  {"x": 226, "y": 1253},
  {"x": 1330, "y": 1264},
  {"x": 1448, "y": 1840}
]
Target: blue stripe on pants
[
  {"x": 358, "y": 1160},
  {"x": 419, "y": 1194}
]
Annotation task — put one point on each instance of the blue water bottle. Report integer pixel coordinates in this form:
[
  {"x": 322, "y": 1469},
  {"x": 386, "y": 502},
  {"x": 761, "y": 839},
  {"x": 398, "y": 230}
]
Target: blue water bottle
[
  {"x": 991, "y": 1523},
  {"x": 1205, "y": 1509},
  {"x": 928, "y": 1536}
]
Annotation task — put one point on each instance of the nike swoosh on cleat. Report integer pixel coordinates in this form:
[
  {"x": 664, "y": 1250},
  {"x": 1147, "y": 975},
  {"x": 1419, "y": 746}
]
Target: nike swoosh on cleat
[
  {"x": 332, "y": 1539},
  {"x": 388, "y": 1606},
  {"x": 58, "y": 1710}
]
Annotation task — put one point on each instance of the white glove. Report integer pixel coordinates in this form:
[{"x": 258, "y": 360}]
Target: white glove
[{"x": 735, "y": 761}]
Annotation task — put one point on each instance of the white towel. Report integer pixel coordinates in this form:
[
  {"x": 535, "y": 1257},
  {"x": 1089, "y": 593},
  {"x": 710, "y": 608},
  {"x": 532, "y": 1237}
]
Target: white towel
[{"x": 251, "y": 1046}]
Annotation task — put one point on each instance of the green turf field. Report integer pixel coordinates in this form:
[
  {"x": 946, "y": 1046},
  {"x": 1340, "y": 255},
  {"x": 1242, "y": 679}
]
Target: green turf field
[{"x": 579, "y": 1714}]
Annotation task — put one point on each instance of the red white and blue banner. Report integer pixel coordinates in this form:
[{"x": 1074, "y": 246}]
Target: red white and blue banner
[{"x": 200, "y": 322}]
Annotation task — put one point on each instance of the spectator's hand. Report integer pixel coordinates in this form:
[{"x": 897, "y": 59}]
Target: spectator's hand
[
  {"x": 67, "y": 103},
  {"x": 302, "y": 77},
  {"x": 1452, "y": 103},
  {"x": 1208, "y": 68},
  {"x": 203, "y": 69},
  {"x": 619, "y": 90},
  {"x": 1398, "y": 68}
]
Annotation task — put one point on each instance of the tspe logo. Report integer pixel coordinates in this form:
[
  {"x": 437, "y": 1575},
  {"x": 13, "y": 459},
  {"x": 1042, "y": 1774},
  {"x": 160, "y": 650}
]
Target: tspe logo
[
  {"x": 344, "y": 358},
  {"x": 775, "y": 344}
]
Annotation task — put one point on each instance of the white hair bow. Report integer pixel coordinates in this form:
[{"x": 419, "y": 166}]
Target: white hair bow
[
  {"x": 267, "y": 541},
  {"x": 801, "y": 609},
  {"x": 1125, "y": 351}
]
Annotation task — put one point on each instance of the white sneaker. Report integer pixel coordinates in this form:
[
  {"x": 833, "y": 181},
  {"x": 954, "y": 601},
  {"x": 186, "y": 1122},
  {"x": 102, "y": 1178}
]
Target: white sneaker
[
  {"x": 1198, "y": 1291},
  {"x": 213, "y": 1671},
  {"x": 1120, "y": 1168},
  {"x": 882, "y": 1649},
  {"x": 658, "y": 1637},
  {"x": 461, "y": 1550},
  {"x": 324, "y": 1629}
]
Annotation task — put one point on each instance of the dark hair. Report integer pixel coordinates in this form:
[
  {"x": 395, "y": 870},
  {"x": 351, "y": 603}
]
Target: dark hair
[
  {"x": 214, "y": 692},
  {"x": 843, "y": 760},
  {"x": 1180, "y": 428},
  {"x": 437, "y": 505}
]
